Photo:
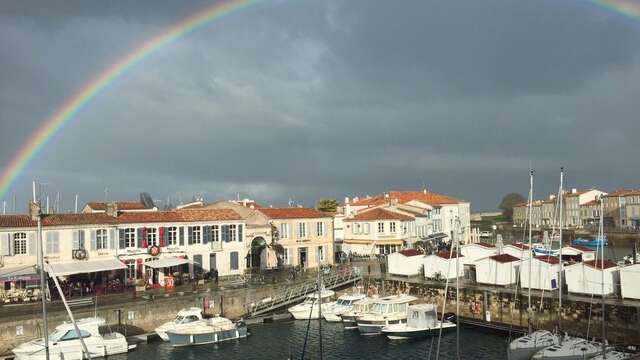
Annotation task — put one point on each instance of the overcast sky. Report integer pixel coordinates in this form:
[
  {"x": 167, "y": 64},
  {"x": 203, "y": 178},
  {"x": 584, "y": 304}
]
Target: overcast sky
[{"x": 308, "y": 99}]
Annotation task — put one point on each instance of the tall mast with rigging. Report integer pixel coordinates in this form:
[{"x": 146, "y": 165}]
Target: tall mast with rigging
[{"x": 530, "y": 246}]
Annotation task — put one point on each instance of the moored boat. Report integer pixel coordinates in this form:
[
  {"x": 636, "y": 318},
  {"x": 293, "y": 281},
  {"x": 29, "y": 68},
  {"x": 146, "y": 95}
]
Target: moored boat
[
  {"x": 523, "y": 348},
  {"x": 64, "y": 343},
  {"x": 422, "y": 319},
  {"x": 359, "y": 308},
  {"x": 600, "y": 241},
  {"x": 341, "y": 306},
  {"x": 569, "y": 349},
  {"x": 208, "y": 331},
  {"x": 384, "y": 311},
  {"x": 309, "y": 308},
  {"x": 183, "y": 319}
]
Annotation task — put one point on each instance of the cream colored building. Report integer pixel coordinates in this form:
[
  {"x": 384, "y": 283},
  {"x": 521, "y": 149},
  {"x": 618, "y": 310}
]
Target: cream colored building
[
  {"x": 202, "y": 240},
  {"x": 305, "y": 235},
  {"x": 377, "y": 231}
]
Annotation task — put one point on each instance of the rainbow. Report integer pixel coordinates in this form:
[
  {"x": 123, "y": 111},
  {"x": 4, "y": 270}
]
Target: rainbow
[
  {"x": 93, "y": 88},
  {"x": 627, "y": 8},
  {"x": 51, "y": 126}
]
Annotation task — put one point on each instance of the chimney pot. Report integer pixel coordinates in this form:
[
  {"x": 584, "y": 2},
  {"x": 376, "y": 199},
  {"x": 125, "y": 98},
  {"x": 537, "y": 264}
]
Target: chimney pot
[{"x": 112, "y": 209}]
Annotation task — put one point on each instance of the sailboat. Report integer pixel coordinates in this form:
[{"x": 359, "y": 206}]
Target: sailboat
[
  {"x": 574, "y": 348},
  {"x": 524, "y": 347}
]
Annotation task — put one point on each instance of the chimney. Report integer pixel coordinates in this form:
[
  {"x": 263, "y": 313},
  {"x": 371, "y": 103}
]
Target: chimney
[
  {"x": 112, "y": 209},
  {"x": 574, "y": 191},
  {"x": 424, "y": 191},
  {"x": 386, "y": 195},
  {"x": 346, "y": 200}
]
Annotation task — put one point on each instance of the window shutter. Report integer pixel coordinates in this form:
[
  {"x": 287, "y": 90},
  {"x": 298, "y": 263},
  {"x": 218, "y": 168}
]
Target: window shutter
[
  {"x": 31, "y": 243},
  {"x": 112, "y": 238},
  {"x": 94, "y": 240},
  {"x": 81, "y": 239},
  {"x": 5, "y": 248},
  {"x": 225, "y": 233},
  {"x": 12, "y": 249},
  {"x": 145, "y": 242},
  {"x": 161, "y": 235},
  {"x": 240, "y": 235},
  {"x": 140, "y": 238},
  {"x": 56, "y": 242},
  {"x": 325, "y": 252},
  {"x": 140, "y": 267},
  {"x": 189, "y": 235},
  {"x": 48, "y": 246},
  {"x": 121, "y": 241},
  {"x": 181, "y": 235},
  {"x": 76, "y": 240},
  {"x": 206, "y": 236}
]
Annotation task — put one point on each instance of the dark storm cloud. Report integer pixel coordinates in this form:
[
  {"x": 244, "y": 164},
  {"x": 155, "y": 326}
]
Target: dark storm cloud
[{"x": 308, "y": 99}]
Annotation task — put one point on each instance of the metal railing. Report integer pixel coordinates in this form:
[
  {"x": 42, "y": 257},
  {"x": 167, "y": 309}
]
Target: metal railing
[{"x": 294, "y": 294}]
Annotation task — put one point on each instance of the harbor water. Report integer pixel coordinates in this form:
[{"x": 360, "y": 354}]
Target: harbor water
[{"x": 285, "y": 340}]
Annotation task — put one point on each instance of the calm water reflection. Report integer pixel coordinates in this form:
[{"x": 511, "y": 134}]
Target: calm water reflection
[{"x": 285, "y": 339}]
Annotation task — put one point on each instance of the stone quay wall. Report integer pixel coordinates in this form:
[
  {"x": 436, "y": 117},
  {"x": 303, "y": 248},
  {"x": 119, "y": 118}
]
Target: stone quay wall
[
  {"x": 135, "y": 315},
  {"x": 502, "y": 307}
]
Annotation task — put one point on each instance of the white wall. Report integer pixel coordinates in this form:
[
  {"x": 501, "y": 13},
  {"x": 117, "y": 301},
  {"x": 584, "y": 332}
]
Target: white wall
[
  {"x": 583, "y": 279},
  {"x": 542, "y": 274},
  {"x": 473, "y": 252},
  {"x": 404, "y": 265},
  {"x": 516, "y": 251},
  {"x": 629, "y": 281},
  {"x": 434, "y": 264},
  {"x": 492, "y": 272}
]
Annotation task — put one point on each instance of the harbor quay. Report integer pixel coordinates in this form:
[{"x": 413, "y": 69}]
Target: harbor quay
[
  {"x": 504, "y": 308},
  {"x": 135, "y": 313}
]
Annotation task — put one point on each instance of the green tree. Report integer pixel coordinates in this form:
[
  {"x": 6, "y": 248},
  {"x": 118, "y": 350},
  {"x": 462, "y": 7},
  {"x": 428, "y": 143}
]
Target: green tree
[
  {"x": 508, "y": 202},
  {"x": 329, "y": 205}
]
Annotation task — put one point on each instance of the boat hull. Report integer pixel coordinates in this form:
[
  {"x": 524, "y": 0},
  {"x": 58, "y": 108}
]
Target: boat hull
[
  {"x": 403, "y": 332},
  {"x": 72, "y": 350},
  {"x": 349, "y": 322},
  {"x": 375, "y": 327},
  {"x": 187, "y": 339}
]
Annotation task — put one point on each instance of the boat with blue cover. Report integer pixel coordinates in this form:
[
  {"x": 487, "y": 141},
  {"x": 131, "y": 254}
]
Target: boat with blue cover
[{"x": 591, "y": 242}]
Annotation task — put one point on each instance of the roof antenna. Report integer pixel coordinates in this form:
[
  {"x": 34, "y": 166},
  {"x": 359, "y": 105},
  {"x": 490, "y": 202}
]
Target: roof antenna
[{"x": 76, "y": 207}]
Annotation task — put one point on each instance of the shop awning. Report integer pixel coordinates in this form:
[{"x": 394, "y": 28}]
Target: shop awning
[
  {"x": 19, "y": 273},
  {"x": 167, "y": 262},
  {"x": 81, "y": 267}
]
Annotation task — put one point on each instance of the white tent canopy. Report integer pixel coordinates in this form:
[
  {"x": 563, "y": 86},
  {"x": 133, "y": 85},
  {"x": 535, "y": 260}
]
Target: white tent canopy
[
  {"x": 167, "y": 262},
  {"x": 79, "y": 267}
]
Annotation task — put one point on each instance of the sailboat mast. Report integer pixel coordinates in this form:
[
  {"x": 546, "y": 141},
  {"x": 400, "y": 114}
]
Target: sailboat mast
[
  {"x": 457, "y": 247},
  {"x": 601, "y": 243},
  {"x": 530, "y": 244},
  {"x": 561, "y": 210},
  {"x": 36, "y": 212}
]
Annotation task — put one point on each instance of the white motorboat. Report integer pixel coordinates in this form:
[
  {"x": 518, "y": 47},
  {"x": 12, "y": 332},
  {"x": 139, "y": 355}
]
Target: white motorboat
[
  {"x": 570, "y": 349},
  {"x": 208, "y": 331},
  {"x": 309, "y": 308},
  {"x": 182, "y": 320},
  {"x": 359, "y": 308},
  {"x": 523, "y": 348},
  {"x": 64, "y": 343},
  {"x": 422, "y": 319},
  {"x": 341, "y": 306},
  {"x": 384, "y": 311}
]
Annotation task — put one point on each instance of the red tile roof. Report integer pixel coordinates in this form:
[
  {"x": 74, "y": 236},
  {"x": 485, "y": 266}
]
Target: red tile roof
[
  {"x": 178, "y": 216},
  {"x": 447, "y": 254},
  {"x": 379, "y": 214},
  {"x": 624, "y": 192},
  {"x": 20, "y": 221},
  {"x": 520, "y": 246},
  {"x": 548, "y": 259},
  {"x": 293, "y": 213},
  {"x": 582, "y": 248},
  {"x": 504, "y": 258},
  {"x": 403, "y": 197},
  {"x": 122, "y": 205},
  {"x": 410, "y": 252},
  {"x": 598, "y": 264}
]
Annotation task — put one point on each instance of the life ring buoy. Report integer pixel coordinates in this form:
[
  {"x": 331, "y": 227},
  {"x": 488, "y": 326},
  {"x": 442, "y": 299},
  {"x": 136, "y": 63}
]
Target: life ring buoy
[{"x": 154, "y": 250}]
